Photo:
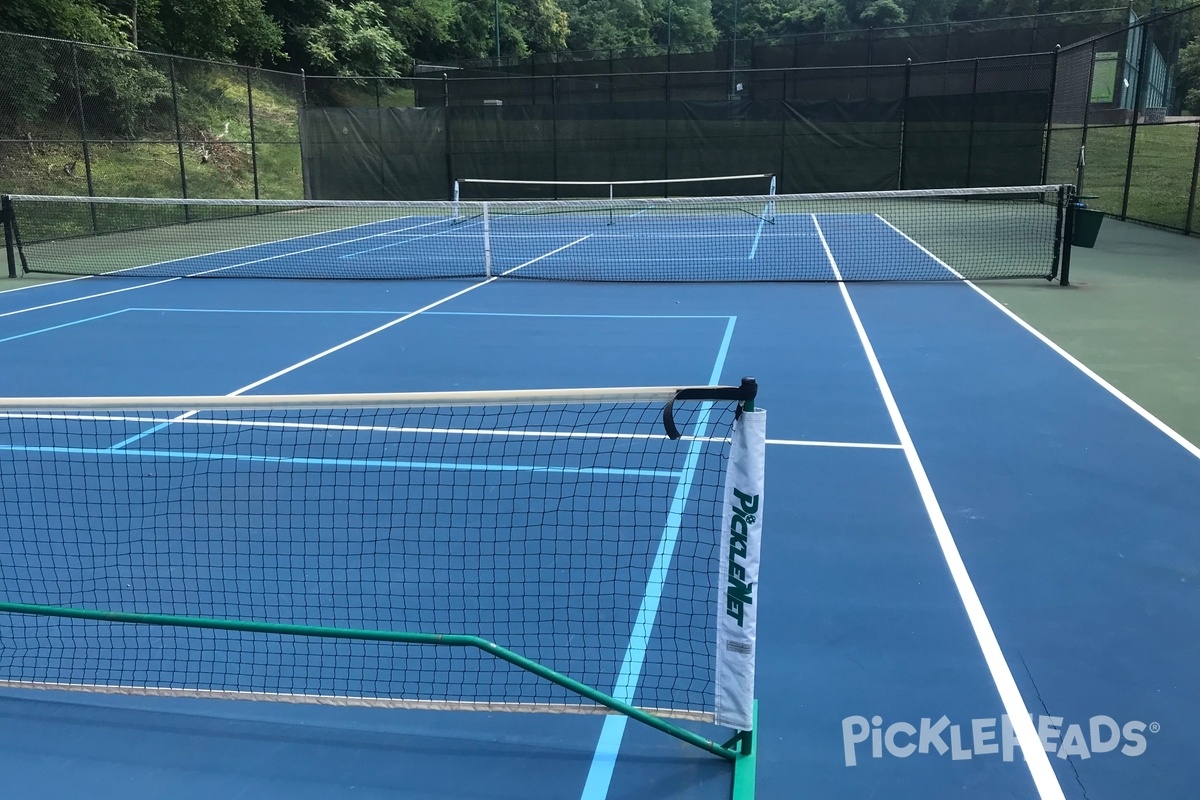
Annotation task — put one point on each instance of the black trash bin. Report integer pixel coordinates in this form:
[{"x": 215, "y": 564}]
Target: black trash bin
[{"x": 1087, "y": 226}]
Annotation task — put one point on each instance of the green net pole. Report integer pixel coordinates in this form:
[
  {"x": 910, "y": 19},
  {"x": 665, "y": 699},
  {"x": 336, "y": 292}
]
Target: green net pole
[{"x": 397, "y": 637}]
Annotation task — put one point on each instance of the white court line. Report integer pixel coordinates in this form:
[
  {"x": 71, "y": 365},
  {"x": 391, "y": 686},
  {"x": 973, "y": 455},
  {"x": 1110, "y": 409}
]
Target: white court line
[
  {"x": 49, "y": 282},
  {"x": 1014, "y": 704},
  {"x": 397, "y": 321},
  {"x": 343, "y": 345},
  {"x": 817, "y": 443},
  {"x": 86, "y": 296},
  {"x": 1174, "y": 435},
  {"x": 216, "y": 269}
]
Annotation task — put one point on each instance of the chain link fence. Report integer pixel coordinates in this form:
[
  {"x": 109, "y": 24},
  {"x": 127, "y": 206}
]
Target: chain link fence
[
  {"x": 79, "y": 119},
  {"x": 1120, "y": 129}
]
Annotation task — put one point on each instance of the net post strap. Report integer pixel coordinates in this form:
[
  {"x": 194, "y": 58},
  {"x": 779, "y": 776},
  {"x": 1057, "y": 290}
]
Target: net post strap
[{"x": 744, "y": 394}]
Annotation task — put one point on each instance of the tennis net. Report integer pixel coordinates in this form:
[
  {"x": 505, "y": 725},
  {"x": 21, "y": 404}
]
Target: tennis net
[
  {"x": 933, "y": 235},
  {"x": 517, "y": 189},
  {"x": 451, "y": 550}
]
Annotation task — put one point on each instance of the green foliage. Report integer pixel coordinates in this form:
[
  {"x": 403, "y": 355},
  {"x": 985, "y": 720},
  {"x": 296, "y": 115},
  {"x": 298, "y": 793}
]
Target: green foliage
[
  {"x": 423, "y": 26},
  {"x": 783, "y": 17},
  {"x": 355, "y": 41},
  {"x": 541, "y": 24},
  {"x": 121, "y": 90},
  {"x": 690, "y": 21},
  {"x": 220, "y": 29},
  {"x": 526, "y": 26},
  {"x": 82, "y": 20},
  {"x": 604, "y": 24},
  {"x": 882, "y": 13},
  {"x": 1188, "y": 77},
  {"x": 27, "y": 84}
]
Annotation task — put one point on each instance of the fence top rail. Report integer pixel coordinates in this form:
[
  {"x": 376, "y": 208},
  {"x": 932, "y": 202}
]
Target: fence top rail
[
  {"x": 1018, "y": 58},
  {"x": 851, "y": 34}
]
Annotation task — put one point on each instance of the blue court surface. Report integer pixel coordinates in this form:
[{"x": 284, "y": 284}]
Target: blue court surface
[{"x": 971, "y": 543}]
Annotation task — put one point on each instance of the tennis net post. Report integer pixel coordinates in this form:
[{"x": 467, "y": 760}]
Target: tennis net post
[{"x": 10, "y": 243}]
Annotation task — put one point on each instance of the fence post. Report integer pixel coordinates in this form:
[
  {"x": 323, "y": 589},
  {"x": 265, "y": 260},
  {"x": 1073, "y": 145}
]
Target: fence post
[
  {"x": 179, "y": 139},
  {"x": 253, "y": 144},
  {"x": 554, "y": 132},
  {"x": 1191, "y": 212},
  {"x": 1137, "y": 104},
  {"x": 971, "y": 129},
  {"x": 1081, "y": 168},
  {"x": 303, "y": 89},
  {"x": 783, "y": 128},
  {"x": 1050, "y": 112},
  {"x": 904, "y": 125},
  {"x": 83, "y": 137},
  {"x": 447, "y": 140}
]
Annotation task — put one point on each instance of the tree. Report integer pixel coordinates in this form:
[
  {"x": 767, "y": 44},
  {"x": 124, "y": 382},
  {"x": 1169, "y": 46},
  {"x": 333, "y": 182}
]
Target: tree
[
  {"x": 1189, "y": 76},
  {"x": 759, "y": 18},
  {"x": 604, "y": 24},
  {"x": 882, "y": 14},
  {"x": 82, "y": 20},
  {"x": 681, "y": 21},
  {"x": 355, "y": 41},
  {"x": 222, "y": 29}
]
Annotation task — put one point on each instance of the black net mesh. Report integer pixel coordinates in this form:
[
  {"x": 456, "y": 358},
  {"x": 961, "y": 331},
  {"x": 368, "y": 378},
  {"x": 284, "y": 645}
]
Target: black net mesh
[{"x": 495, "y": 521}]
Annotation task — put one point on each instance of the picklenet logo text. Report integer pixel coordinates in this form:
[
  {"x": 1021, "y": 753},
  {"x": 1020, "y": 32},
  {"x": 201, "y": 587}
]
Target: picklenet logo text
[{"x": 989, "y": 737}]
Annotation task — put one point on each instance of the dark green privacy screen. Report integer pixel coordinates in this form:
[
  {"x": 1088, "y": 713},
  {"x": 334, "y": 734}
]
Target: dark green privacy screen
[
  {"x": 374, "y": 153},
  {"x": 957, "y": 124}
]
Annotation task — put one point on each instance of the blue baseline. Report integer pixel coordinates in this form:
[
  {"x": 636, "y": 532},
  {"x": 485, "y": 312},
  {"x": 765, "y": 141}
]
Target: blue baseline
[{"x": 604, "y": 760}]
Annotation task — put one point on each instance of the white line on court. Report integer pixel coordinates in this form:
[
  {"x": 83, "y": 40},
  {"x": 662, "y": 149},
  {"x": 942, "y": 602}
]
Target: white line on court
[
  {"x": 215, "y": 269},
  {"x": 85, "y": 297},
  {"x": 1174, "y": 435},
  {"x": 612, "y": 731},
  {"x": 398, "y": 320},
  {"x": 1014, "y": 704},
  {"x": 817, "y": 443},
  {"x": 348, "y": 343}
]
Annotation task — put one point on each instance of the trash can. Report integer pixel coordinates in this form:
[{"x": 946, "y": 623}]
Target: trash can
[{"x": 1087, "y": 226}]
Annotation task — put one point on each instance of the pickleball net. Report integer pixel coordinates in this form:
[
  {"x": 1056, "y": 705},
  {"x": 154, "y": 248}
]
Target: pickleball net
[
  {"x": 919, "y": 235},
  {"x": 547, "y": 551}
]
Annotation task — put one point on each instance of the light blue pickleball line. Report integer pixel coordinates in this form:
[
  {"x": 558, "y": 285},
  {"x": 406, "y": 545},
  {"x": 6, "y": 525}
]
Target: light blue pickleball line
[{"x": 608, "y": 746}]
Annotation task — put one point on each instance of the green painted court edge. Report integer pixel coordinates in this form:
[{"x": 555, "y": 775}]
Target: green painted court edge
[{"x": 397, "y": 637}]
